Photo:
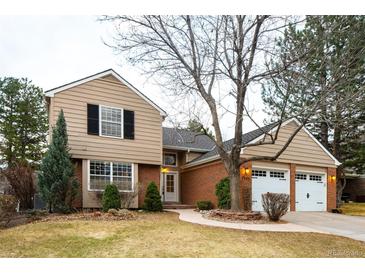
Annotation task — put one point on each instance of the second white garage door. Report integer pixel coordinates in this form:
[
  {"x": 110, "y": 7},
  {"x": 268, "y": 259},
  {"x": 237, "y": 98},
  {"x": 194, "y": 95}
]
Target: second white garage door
[
  {"x": 267, "y": 180},
  {"x": 310, "y": 192}
]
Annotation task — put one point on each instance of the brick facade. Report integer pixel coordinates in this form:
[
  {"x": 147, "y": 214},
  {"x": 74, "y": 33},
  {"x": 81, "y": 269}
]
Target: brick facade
[
  {"x": 246, "y": 186},
  {"x": 292, "y": 186},
  {"x": 146, "y": 174},
  {"x": 199, "y": 183},
  {"x": 331, "y": 189}
]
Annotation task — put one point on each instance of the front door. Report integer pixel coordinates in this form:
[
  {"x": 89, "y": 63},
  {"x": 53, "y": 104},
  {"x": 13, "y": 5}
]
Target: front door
[{"x": 170, "y": 182}]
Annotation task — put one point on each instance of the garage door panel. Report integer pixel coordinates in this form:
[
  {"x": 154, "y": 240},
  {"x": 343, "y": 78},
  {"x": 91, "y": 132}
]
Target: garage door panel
[
  {"x": 267, "y": 180},
  {"x": 310, "y": 192}
]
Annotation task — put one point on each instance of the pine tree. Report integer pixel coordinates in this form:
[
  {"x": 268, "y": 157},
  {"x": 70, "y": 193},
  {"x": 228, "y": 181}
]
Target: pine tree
[
  {"x": 332, "y": 62},
  {"x": 23, "y": 122},
  {"x": 56, "y": 180},
  {"x": 196, "y": 126},
  {"x": 152, "y": 200}
]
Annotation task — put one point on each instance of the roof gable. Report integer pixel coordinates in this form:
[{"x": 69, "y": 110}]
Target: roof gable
[
  {"x": 306, "y": 131},
  {"x": 109, "y": 74}
]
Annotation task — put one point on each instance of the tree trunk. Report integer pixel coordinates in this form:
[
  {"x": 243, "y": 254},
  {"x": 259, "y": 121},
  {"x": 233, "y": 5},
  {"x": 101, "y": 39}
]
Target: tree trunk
[
  {"x": 235, "y": 180},
  {"x": 341, "y": 184}
]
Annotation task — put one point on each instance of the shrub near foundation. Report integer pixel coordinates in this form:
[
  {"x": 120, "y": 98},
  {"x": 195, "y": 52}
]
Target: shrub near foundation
[
  {"x": 111, "y": 198},
  {"x": 8, "y": 205},
  {"x": 222, "y": 192},
  {"x": 275, "y": 205},
  {"x": 204, "y": 205},
  {"x": 152, "y": 200}
]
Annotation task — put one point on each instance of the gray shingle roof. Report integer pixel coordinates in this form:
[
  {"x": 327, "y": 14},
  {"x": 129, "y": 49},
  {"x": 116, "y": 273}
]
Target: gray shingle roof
[
  {"x": 246, "y": 138},
  {"x": 185, "y": 139}
]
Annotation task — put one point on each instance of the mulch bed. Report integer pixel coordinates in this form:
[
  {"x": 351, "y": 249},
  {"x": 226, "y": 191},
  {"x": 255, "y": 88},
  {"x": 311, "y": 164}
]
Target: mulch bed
[
  {"x": 92, "y": 216},
  {"x": 43, "y": 216},
  {"x": 237, "y": 217}
]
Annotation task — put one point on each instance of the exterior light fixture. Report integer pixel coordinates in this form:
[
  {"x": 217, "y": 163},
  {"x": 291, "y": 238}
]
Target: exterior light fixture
[
  {"x": 245, "y": 171},
  {"x": 333, "y": 178},
  {"x": 164, "y": 170}
]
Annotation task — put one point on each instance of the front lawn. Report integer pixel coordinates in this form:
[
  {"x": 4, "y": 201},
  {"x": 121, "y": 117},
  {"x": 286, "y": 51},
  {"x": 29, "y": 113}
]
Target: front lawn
[
  {"x": 163, "y": 235},
  {"x": 354, "y": 209}
]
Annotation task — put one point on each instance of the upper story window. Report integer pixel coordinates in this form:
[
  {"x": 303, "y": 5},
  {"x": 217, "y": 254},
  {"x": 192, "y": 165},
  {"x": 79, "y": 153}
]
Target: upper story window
[
  {"x": 111, "y": 121},
  {"x": 170, "y": 159}
]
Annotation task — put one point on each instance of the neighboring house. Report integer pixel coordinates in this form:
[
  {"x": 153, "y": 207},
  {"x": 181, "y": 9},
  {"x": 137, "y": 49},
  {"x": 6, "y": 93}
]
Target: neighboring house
[{"x": 116, "y": 136}]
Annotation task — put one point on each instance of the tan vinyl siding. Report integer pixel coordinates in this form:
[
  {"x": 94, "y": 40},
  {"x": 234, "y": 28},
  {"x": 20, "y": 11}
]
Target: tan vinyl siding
[
  {"x": 269, "y": 164},
  {"x": 145, "y": 148},
  {"x": 192, "y": 155},
  {"x": 311, "y": 169},
  {"x": 303, "y": 150}
]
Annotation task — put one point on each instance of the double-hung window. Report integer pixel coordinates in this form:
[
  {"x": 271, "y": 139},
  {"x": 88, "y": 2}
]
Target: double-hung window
[
  {"x": 102, "y": 173},
  {"x": 111, "y": 122}
]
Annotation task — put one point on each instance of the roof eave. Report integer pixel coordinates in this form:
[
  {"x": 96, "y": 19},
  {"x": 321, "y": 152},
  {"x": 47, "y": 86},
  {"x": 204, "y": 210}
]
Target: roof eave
[{"x": 186, "y": 148}]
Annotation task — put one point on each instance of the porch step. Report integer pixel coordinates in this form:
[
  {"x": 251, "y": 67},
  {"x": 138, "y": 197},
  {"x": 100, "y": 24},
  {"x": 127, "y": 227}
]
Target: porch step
[{"x": 177, "y": 206}]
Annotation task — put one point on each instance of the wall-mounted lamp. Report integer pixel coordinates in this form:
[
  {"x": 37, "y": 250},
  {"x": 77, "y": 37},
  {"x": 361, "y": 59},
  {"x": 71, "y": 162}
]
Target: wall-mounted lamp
[
  {"x": 333, "y": 178},
  {"x": 164, "y": 170},
  {"x": 245, "y": 171}
]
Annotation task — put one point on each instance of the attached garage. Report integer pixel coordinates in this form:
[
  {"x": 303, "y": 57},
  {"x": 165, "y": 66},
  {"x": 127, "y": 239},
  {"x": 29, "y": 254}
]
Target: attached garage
[
  {"x": 268, "y": 180},
  {"x": 310, "y": 191},
  {"x": 305, "y": 170}
]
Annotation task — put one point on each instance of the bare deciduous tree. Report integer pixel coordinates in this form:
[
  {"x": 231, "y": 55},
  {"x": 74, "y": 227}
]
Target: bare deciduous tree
[{"x": 214, "y": 60}]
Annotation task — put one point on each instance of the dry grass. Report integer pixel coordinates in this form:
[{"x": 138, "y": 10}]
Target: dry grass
[
  {"x": 163, "y": 235},
  {"x": 354, "y": 209}
]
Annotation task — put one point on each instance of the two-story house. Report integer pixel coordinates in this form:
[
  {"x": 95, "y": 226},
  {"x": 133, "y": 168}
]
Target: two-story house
[{"x": 116, "y": 137}]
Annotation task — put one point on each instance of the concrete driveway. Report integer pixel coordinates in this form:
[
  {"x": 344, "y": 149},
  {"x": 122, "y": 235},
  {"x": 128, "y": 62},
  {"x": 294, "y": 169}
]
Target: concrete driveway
[{"x": 342, "y": 225}]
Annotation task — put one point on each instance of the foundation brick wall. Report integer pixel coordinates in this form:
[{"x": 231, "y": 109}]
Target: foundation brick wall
[
  {"x": 199, "y": 183},
  {"x": 292, "y": 186},
  {"x": 146, "y": 174},
  {"x": 331, "y": 189},
  {"x": 246, "y": 186}
]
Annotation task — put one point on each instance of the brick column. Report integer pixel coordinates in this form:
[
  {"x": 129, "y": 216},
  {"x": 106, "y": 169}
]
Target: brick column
[
  {"x": 292, "y": 187},
  {"x": 246, "y": 187},
  {"x": 331, "y": 189}
]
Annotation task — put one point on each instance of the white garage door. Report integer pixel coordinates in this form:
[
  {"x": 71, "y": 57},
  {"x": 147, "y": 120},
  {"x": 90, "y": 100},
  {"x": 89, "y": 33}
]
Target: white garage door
[
  {"x": 310, "y": 192},
  {"x": 267, "y": 180}
]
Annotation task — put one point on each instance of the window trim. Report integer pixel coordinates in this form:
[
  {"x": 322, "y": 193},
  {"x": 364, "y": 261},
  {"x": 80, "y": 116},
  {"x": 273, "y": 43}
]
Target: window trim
[
  {"x": 163, "y": 159},
  {"x": 121, "y": 122},
  {"x": 111, "y": 177}
]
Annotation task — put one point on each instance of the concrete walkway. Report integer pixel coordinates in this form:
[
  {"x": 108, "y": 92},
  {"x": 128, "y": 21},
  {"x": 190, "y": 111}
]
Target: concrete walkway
[
  {"x": 191, "y": 216},
  {"x": 338, "y": 224}
]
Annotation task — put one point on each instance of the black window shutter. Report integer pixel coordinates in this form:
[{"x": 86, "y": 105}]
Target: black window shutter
[
  {"x": 128, "y": 124},
  {"x": 93, "y": 119}
]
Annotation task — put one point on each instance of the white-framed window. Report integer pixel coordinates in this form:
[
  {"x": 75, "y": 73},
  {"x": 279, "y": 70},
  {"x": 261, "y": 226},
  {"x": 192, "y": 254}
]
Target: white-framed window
[
  {"x": 276, "y": 174},
  {"x": 111, "y": 124},
  {"x": 102, "y": 173},
  {"x": 300, "y": 176},
  {"x": 170, "y": 159},
  {"x": 317, "y": 178},
  {"x": 258, "y": 173}
]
